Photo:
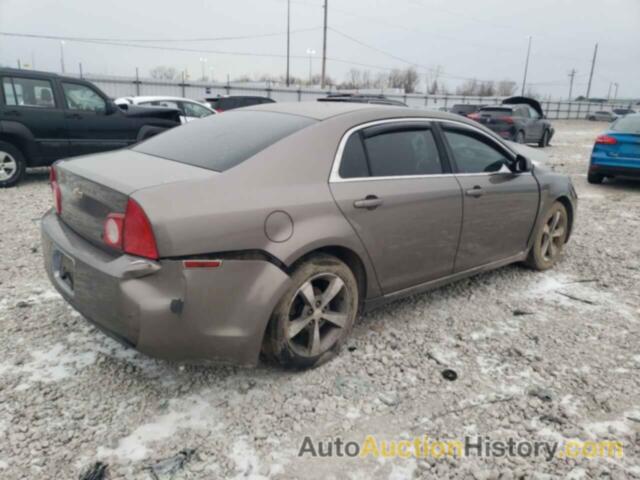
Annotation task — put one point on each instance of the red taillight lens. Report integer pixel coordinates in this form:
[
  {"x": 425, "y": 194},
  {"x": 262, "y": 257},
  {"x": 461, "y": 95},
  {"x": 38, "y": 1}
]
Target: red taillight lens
[
  {"x": 505, "y": 119},
  {"x": 219, "y": 110},
  {"x": 138, "y": 238},
  {"x": 131, "y": 232},
  {"x": 474, "y": 116},
  {"x": 201, "y": 263},
  {"x": 55, "y": 189},
  {"x": 113, "y": 230},
  {"x": 606, "y": 140}
]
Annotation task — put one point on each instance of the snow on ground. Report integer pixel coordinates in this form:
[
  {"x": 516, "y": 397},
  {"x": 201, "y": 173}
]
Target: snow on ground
[{"x": 550, "y": 355}]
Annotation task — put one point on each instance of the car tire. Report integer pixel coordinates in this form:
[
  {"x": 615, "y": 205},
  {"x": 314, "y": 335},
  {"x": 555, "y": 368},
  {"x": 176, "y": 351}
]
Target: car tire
[
  {"x": 520, "y": 137},
  {"x": 549, "y": 238},
  {"x": 315, "y": 315},
  {"x": 595, "y": 178},
  {"x": 12, "y": 165},
  {"x": 544, "y": 141}
]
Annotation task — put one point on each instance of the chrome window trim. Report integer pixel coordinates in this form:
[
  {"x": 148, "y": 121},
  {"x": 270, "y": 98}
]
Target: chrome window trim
[{"x": 335, "y": 177}]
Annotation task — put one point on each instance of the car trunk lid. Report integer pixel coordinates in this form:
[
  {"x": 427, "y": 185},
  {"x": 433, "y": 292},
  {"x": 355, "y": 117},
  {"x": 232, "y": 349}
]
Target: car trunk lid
[{"x": 101, "y": 184}]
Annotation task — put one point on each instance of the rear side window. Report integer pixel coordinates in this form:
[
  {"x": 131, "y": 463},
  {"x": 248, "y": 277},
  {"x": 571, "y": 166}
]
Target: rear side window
[
  {"x": 220, "y": 142},
  {"x": 403, "y": 152},
  {"x": 628, "y": 124},
  {"x": 354, "y": 159},
  {"x": 28, "y": 92}
]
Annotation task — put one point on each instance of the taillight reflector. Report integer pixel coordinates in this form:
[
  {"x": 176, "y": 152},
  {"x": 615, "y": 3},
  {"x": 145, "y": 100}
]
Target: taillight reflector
[
  {"x": 606, "y": 140},
  {"x": 55, "y": 189},
  {"x": 201, "y": 263},
  {"x": 474, "y": 116},
  {"x": 113, "y": 229},
  {"x": 505, "y": 119}
]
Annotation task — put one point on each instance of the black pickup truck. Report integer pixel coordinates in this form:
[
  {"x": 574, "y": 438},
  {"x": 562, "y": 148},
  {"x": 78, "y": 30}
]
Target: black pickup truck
[{"x": 45, "y": 117}]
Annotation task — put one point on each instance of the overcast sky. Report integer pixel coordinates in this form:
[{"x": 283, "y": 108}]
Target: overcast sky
[{"x": 485, "y": 39}]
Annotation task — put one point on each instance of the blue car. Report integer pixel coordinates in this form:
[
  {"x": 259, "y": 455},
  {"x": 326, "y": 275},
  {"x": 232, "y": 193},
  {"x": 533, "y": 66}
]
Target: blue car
[{"x": 617, "y": 151}]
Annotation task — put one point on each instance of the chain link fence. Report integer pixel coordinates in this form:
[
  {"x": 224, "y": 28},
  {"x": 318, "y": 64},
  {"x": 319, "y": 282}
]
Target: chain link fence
[{"x": 198, "y": 90}]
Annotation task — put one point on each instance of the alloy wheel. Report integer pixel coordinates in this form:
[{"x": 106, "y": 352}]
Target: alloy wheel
[
  {"x": 318, "y": 312},
  {"x": 8, "y": 166},
  {"x": 553, "y": 235}
]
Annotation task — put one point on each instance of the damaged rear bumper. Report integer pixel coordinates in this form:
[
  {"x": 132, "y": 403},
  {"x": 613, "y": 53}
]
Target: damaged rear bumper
[{"x": 161, "y": 308}]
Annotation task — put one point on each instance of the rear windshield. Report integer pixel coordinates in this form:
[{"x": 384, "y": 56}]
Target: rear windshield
[
  {"x": 628, "y": 124},
  {"x": 220, "y": 142}
]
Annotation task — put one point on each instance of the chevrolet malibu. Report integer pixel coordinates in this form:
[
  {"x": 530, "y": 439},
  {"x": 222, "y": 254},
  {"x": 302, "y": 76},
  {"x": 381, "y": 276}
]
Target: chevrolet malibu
[{"x": 268, "y": 229}]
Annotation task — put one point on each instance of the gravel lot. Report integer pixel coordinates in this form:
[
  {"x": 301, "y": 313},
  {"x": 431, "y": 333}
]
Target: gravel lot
[{"x": 539, "y": 356}]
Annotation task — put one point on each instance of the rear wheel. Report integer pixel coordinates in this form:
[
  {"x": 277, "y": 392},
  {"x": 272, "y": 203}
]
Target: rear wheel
[
  {"x": 549, "y": 238},
  {"x": 315, "y": 315},
  {"x": 544, "y": 141},
  {"x": 520, "y": 137},
  {"x": 595, "y": 178},
  {"x": 12, "y": 165}
]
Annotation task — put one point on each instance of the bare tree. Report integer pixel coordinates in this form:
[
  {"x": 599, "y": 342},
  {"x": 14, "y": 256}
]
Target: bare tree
[
  {"x": 163, "y": 72},
  {"x": 469, "y": 87},
  {"x": 506, "y": 88}
]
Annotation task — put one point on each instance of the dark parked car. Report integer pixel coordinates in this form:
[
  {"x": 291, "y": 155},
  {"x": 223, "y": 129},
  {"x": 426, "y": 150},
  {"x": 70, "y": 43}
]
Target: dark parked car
[
  {"x": 620, "y": 112},
  {"x": 519, "y": 119},
  {"x": 465, "y": 109},
  {"x": 45, "y": 117},
  {"x": 361, "y": 98},
  {"x": 222, "y": 104},
  {"x": 302, "y": 216}
]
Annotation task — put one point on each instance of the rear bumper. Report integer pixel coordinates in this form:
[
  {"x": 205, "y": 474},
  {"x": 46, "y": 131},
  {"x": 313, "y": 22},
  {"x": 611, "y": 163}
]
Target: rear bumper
[
  {"x": 604, "y": 164},
  {"x": 224, "y": 311}
]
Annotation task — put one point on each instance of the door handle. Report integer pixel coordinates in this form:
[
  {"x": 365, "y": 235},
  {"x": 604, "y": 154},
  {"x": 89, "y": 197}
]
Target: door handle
[
  {"x": 476, "y": 191},
  {"x": 370, "y": 202}
]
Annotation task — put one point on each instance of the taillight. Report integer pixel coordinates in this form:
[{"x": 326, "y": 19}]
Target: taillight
[
  {"x": 55, "y": 189},
  {"x": 219, "y": 110},
  {"x": 474, "y": 116},
  {"x": 131, "y": 232},
  {"x": 606, "y": 140},
  {"x": 505, "y": 119}
]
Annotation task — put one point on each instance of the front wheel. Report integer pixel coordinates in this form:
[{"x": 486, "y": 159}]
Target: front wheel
[
  {"x": 315, "y": 315},
  {"x": 550, "y": 238},
  {"x": 12, "y": 165}
]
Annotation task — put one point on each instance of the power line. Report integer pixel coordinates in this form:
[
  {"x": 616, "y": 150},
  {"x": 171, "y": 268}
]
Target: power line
[{"x": 154, "y": 40}]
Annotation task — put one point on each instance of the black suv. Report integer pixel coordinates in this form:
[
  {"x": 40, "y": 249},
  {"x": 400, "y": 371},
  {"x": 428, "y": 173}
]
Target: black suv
[
  {"x": 221, "y": 104},
  {"x": 519, "y": 119},
  {"x": 45, "y": 117},
  {"x": 361, "y": 98}
]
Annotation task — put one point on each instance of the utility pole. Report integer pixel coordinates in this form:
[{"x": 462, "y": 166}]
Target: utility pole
[
  {"x": 593, "y": 64},
  {"x": 62, "y": 56},
  {"x": 526, "y": 67},
  {"x": 288, "y": 37},
  {"x": 80, "y": 68},
  {"x": 324, "y": 47},
  {"x": 571, "y": 76}
]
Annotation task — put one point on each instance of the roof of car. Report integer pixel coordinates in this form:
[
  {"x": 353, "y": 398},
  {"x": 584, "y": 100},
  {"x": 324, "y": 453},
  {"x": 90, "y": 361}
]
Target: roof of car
[
  {"x": 325, "y": 110},
  {"x": 36, "y": 73},
  {"x": 150, "y": 98}
]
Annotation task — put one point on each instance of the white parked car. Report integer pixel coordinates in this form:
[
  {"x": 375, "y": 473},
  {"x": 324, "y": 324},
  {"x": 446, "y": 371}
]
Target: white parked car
[{"x": 190, "y": 109}]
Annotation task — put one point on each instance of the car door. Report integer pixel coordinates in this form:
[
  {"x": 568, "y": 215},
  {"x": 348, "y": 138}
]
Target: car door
[
  {"x": 92, "y": 125},
  {"x": 398, "y": 193},
  {"x": 500, "y": 206},
  {"x": 33, "y": 104}
]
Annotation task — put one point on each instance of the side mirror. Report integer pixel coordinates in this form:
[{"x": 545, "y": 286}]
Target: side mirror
[
  {"x": 522, "y": 164},
  {"x": 111, "y": 107}
]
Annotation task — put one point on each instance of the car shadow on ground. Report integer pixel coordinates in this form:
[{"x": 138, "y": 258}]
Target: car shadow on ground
[
  {"x": 35, "y": 175},
  {"x": 621, "y": 185}
]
